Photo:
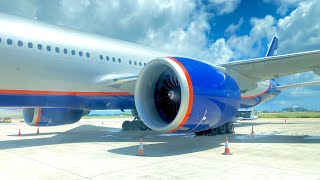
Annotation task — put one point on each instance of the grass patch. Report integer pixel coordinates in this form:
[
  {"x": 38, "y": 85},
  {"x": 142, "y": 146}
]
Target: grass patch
[{"x": 290, "y": 115}]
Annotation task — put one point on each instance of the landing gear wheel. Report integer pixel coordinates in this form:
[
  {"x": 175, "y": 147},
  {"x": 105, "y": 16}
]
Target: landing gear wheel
[
  {"x": 212, "y": 132},
  {"x": 222, "y": 129},
  {"x": 135, "y": 125},
  {"x": 200, "y": 133},
  {"x": 126, "y": 126},
  {"x": 142, "y": 126},
  {"x": 230, "y": 128}
]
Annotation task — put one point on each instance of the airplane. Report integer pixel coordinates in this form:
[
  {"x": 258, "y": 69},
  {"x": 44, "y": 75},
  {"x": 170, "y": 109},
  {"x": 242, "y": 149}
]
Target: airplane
[{"x": 57, "y": 75}]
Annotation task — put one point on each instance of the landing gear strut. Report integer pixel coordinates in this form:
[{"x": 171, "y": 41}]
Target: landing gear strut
[
  {"x": 227, "y": 128},
  {"x": 134, "y": 125}
]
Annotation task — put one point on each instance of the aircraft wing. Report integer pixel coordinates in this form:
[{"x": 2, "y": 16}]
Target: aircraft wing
[
  {"x": 124, "y": 83},
  {"x": 267, "y": 68}
]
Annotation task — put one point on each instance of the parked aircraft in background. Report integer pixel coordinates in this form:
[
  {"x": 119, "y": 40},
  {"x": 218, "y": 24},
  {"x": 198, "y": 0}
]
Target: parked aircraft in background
[{"x": 57, "y": 75}]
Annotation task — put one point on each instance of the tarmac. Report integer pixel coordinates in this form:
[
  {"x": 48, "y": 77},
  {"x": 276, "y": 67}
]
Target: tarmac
[{"x": 98, "y": 149}]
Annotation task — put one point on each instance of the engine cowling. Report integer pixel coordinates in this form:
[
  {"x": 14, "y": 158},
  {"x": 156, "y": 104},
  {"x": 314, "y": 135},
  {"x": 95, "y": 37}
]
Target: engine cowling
[
  {"x": 51, "y": 116},
  {"x": 179, "y": 95}
]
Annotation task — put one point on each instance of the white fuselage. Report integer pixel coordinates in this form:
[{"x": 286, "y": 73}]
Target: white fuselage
[{"x": 41, "y": 57}]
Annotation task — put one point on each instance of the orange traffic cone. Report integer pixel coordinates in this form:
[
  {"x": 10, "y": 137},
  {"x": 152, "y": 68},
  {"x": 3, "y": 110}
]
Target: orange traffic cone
[
  {"x": 141, "y": 151},
  {"x": 38, "y": 130},
  {"x": 19, "y": 133},
  {"x": 252, "y": 132},
  {"x": 226, "y": 148}
]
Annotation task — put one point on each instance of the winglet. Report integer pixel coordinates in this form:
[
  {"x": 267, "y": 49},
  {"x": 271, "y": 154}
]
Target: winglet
[{"x": 273, "y": 47}]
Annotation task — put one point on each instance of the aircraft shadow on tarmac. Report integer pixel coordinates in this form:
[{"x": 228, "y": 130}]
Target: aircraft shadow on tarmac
[
  {"x": 246, "y": 124},
  {"x": 155, "y": 145}
]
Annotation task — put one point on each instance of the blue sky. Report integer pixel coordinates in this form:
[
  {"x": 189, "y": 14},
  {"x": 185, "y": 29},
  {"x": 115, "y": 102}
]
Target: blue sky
[{"x": 216, "y": 31}]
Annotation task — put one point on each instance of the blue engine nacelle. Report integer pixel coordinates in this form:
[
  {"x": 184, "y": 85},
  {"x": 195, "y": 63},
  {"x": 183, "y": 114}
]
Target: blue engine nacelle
[
  {"x": 51, "y": 116},
  {"x": 184, "y": 95}
]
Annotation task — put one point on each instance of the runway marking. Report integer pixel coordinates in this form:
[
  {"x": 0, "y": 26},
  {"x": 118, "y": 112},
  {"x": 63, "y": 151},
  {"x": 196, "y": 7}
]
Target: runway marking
[
  {"x": 248, "y": 137},
  {"x": 312, "y": 137},
  {"x": 111, "y": 130}
]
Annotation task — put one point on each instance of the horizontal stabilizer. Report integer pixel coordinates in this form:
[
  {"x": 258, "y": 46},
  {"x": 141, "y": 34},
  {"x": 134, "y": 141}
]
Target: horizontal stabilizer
[{"x": 298, "y": 85}]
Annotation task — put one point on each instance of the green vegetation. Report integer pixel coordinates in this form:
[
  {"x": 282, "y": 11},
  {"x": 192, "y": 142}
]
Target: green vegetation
[{"x": 290, "y": 115}]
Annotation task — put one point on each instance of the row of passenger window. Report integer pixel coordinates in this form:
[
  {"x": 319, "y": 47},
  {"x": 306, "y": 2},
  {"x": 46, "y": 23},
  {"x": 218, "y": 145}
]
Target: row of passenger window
[
  {"x": 48, "y": 48},
  {"x": 65, "y": 51}
]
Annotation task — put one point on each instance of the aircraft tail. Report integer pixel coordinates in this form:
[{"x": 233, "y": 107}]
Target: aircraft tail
[
  {"x": 298, "y": 85},
  {"x": 273, "y": 47}
]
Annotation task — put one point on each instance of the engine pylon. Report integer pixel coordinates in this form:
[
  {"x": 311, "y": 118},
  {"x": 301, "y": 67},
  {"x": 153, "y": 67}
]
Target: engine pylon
[{"x": 226, "y": 148}]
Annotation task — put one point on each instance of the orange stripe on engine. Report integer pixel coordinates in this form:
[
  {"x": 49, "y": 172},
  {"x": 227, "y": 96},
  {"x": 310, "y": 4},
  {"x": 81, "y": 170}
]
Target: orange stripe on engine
[
  {"x": 39, "y": 116},
  {"x": 190, "y": 94}
]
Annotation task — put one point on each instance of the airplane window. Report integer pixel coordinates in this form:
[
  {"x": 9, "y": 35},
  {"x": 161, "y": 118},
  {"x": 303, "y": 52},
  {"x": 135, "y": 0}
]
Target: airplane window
[
  {"x": 107, "y": 57},
  {"x": 130, "y": 62},
  {"x": 135, "y": 62},
  {"x": 88, "y": 55},
  {"x": 140, "y": 64},
  {"x": 119, "y": 60},
  {"x": 65, "y": 51},
  {"x": 39, "y": 46},
  {"x": 73, "y": 52},
  {"x": 114, "y": 59},
  {"x": 101, "y": 57},
  {"x": 48, "y": 48},
  {"x": 9, "y": 41},
  {"x": 20, "y": 43},
  {"x": 30, "y": 45},
  {"x": 80, "y": 53}
]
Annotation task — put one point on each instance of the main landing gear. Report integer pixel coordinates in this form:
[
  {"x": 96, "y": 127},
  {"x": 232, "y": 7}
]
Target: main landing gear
[
  {"x": 134, "y": 125},
  {"x": 227, "y": 128}
]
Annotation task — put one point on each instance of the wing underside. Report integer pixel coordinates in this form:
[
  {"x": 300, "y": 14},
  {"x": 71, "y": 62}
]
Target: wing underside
[{"x": 275, "y": 66}]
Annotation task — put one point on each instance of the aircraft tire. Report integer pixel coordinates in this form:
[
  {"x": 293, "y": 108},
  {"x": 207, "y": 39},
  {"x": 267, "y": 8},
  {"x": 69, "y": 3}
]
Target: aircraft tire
[
  {"x": 135, "y": 125},
  {"x": 230, "y": 128},
  {"x": 222, "y": 129},
  {"x": 126, "y": 126},
  {"x": 212, "y": 132},
  {"x": 142, "y": 126},
  {"x": 200, "y": 133}
]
